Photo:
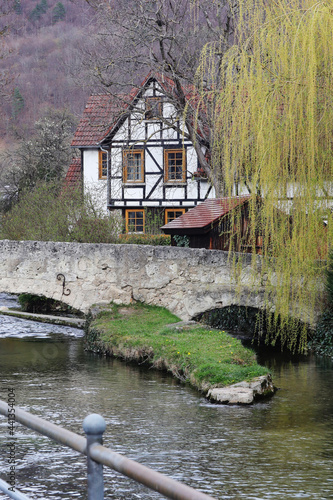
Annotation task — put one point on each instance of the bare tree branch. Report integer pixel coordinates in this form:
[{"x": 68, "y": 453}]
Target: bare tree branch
[{"x": 165, "y": 37}]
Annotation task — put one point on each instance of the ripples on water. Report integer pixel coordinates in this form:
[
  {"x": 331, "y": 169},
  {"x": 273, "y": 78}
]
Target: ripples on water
[
  {"x": 20, "y": 328},
  {"x": 281, "y": 448}
]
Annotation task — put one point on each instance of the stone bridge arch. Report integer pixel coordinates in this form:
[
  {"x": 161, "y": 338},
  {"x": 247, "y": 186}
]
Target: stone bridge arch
[{"x": 186, "y": 281}]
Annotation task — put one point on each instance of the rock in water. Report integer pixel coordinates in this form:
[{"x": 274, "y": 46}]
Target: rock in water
[{"x": 243, "y": 392}]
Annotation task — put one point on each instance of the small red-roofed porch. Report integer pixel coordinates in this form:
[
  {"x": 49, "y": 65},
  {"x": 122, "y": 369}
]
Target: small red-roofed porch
[{"x": 216, "y": 224}]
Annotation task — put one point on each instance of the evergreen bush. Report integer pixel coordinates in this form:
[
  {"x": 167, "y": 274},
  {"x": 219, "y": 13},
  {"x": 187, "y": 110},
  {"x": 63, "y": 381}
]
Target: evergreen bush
[
  {"x": 322, "y": 340},
  {"x": 181, "y": 241},
  {"x": 329, "y": 279},
  {"x": 17, "y": 103},
  {"x": 58, "y": 13}
]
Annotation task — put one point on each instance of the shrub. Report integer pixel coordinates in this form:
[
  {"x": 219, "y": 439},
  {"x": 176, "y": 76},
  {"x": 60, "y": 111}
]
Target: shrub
[
  {"x": 329, "y": 279},
  {"x": 51, "y": 213},
  {"x": 145, "y": 239},
  {"x": 322, "y": 340},
  {"x": 181, "y": 241}
]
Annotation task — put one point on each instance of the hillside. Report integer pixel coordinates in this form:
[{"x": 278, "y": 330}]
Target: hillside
[{"x": 42, "y": 62}]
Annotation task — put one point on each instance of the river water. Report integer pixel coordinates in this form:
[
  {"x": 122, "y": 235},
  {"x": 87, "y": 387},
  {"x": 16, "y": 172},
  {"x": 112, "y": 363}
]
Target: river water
[{"x": 281, "y": 448}]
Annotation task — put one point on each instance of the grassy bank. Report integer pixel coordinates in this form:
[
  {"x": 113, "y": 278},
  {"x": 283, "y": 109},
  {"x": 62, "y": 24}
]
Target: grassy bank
[{"x": 192, "y": 353}]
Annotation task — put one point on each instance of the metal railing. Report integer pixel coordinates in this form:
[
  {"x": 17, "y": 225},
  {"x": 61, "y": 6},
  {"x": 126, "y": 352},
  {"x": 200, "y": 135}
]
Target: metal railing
[{"x": 97, "y": 456}]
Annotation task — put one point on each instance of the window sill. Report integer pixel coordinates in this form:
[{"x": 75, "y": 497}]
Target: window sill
[
  {"x": 133, "y": 184},
  {"x": 174, "y": 183}
]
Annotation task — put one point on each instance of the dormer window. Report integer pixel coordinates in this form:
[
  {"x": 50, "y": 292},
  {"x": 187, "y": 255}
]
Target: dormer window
[{"x": 154, "y": 108}]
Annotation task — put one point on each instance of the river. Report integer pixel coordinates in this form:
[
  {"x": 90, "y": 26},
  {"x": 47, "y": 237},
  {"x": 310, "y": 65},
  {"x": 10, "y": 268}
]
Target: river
[{"x": 281, "y": 448}]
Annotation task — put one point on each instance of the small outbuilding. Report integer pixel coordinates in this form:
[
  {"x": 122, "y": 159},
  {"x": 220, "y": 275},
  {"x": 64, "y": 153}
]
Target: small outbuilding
[{"x": 217, "y": 224}]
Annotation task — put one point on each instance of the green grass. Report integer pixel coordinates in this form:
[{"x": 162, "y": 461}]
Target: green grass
[{"x": 205, "y": 358}]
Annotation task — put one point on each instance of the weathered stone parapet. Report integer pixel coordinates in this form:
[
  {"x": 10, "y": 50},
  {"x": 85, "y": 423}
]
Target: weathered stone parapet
[
  {"x": 243, "y": 392},
  {"x": 187, "y": 281}
]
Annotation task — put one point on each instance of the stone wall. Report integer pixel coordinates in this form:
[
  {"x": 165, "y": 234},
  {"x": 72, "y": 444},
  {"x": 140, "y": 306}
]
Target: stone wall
[{"x": 186, "y": 281}]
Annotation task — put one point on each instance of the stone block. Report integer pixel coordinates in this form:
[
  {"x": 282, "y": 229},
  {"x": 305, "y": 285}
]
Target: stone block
[
  {"x": 243, "y": 392},
  {"x": 231, "y": 395}
]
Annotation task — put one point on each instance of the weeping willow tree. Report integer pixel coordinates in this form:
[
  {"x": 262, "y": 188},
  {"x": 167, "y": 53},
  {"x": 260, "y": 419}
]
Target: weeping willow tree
[{"x": 271, "y": 97}]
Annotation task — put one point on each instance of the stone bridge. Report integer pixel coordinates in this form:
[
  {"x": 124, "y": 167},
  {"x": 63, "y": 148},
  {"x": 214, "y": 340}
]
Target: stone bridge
[{"x": 184, "y": 280}]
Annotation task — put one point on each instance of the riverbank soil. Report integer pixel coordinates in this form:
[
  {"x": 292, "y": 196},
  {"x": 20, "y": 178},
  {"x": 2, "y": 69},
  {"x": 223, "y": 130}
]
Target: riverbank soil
[{"x": 205, "y": 358}]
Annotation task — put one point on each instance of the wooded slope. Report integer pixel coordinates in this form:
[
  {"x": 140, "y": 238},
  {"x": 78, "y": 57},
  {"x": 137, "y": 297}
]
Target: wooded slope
[{"x": 41, "y": 60}]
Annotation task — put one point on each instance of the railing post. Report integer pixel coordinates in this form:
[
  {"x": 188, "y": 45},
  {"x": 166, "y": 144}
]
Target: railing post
[{"x": 94, "y": 426}]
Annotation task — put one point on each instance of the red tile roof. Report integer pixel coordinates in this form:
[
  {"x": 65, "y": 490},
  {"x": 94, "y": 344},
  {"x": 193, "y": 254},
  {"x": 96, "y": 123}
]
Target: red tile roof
[
  {"x": 100, "y": 115},
  {"x": 103, "y": 111},
  {"x": 74, "y": 175},
  {"x": 204, "y": 215}
]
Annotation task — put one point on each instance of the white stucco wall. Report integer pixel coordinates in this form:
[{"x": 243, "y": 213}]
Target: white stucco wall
[
  {"x": 94, "y": 187},
  {"x": 172, "y": 195}
]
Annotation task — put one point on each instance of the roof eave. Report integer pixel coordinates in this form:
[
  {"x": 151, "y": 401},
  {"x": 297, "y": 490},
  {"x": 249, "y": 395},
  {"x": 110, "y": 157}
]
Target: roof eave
[
  {"x": 83, "y": 146},
  {"x": 187, "y": 231},
  {"x": 124, "y": 114}
]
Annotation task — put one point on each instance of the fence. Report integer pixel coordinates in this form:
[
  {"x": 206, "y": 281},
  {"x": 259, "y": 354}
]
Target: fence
[{"x": 97, "y": 456}]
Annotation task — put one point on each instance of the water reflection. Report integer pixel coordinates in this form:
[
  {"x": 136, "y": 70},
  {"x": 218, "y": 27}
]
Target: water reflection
[{"x": 282, "y": 447}]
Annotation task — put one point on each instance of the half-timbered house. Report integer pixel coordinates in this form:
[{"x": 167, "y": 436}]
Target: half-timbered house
[{"x": 135, "y": 155}]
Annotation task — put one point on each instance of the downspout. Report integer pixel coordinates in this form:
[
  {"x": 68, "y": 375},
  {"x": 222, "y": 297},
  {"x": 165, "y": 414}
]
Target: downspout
[
  {"x": 82, "y": 172},
  {"x": 108, "y": 176}
]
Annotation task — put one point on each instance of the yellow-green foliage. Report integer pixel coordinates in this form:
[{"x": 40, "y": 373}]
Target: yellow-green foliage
[{"x": 271, "y": 97}]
